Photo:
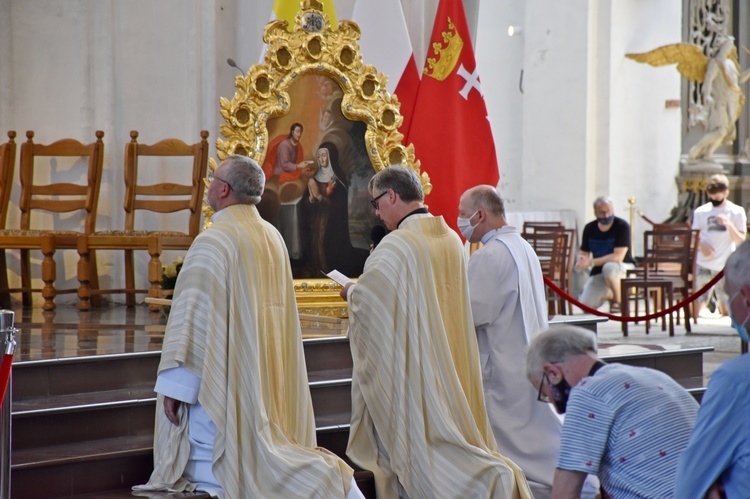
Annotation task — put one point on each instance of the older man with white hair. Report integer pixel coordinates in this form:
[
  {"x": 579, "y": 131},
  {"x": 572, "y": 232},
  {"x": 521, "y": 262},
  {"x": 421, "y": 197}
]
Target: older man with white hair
[
  {"x": 718, "y": 457},
  {"x": 627, "y": 425},
  {"x": 235, "y": 417}
]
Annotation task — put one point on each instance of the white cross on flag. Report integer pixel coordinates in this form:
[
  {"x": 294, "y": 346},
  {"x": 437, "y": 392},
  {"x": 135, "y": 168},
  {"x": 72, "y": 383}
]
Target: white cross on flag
[{"x": 449, "y": 129}]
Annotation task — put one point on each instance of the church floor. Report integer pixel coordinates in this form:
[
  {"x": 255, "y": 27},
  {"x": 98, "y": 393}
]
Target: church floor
[{"x": 713, "y": 332}]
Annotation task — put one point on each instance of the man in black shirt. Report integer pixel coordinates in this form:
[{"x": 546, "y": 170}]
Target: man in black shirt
[{"x": 605, "y": 246}]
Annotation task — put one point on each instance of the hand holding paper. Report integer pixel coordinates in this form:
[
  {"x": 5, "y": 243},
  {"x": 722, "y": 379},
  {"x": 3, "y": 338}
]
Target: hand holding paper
[{"x": 338, "y": 277}]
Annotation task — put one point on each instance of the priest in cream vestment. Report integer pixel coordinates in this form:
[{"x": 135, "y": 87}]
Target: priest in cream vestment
[
  {"x": 509, "y": 306},
  {"x": 418, "y": 416},
  {"x": 237, "y": 417}
]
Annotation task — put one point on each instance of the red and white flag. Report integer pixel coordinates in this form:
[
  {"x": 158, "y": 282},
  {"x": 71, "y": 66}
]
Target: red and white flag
[
  {"x": 386, "y": 45},
  {"x": 449, "y": 129}
]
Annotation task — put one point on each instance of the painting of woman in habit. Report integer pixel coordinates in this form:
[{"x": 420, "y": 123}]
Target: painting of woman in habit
[{"x": 317, "y": 170}]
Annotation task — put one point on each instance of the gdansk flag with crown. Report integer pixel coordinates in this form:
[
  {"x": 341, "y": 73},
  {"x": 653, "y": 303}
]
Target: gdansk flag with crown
[{"x": 450, "y": 131}]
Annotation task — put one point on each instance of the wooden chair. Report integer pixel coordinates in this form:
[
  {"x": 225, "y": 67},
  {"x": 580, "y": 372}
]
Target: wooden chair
[
  {"x": 7, "y": 166},
  {"x": 564, "y": 262},
  {"x": 552, "y": 250},
  {"x": 682, "y": 275},
  {"x": 165, "y": 197},
  {"x": 667, "y": 257},
  {"x": 56, "y": 197}
]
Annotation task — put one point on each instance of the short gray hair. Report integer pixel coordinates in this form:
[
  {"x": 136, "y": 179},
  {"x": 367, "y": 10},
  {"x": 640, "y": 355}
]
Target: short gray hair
[
  {"x": 402, "y": 180},
  {"x": 603, "y": 199},
  {"x": 737, "y": 269},
  {"x": 557, "y": 344},
  {"x": 486, "y": 198},
  {"x": 246, "y": 178}
]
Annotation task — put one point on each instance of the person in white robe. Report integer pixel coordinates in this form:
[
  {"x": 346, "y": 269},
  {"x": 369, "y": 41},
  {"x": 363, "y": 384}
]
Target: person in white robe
[
  {"x": 509, "y": 307},
  {"x": 235, "y": 415},
  {"x": 418, "y": 416}
]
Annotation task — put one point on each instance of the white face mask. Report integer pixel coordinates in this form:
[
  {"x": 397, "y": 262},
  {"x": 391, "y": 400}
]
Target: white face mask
[{"x": 464, "y": 225}]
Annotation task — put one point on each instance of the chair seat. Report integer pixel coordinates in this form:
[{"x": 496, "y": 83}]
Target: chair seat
[
  {"x": 139, "y": 233},
  {"x": 36, "y": 232}
]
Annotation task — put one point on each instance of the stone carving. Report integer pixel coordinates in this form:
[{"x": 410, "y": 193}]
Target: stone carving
[{"x": 720, "y": 78}]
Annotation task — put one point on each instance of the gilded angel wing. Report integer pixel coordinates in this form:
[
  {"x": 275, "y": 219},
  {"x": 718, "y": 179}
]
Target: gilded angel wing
[{"x": 691, "y": 63}]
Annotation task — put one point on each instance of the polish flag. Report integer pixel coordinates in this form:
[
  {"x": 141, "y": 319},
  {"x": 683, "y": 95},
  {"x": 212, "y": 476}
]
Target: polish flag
[
  {"x": 449, "y": 129},
  {"x": 385, "y": 44}
]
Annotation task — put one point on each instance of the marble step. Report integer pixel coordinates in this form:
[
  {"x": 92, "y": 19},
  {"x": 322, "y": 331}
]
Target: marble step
[{"x": 364, "y": 479}]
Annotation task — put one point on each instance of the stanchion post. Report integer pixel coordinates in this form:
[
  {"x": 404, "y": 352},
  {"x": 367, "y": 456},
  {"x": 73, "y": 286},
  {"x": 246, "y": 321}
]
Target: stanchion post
[
  {"x": 631, "y": 202},
  {"x": 5, "y": 429},
  {"x": 8, "y": 346}
]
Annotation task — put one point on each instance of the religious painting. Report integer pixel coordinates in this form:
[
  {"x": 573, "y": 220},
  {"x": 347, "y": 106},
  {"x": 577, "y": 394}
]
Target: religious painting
[
  {"x": 321, "y": 123},
  {"x": 317, "y": 171}
]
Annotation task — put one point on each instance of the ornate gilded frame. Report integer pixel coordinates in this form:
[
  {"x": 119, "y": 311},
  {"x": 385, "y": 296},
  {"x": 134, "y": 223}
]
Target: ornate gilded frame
[{"x": 314, "y": 47}]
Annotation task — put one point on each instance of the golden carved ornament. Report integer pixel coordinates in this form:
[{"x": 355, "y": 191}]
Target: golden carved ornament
[{"x": 694, "y": 185}]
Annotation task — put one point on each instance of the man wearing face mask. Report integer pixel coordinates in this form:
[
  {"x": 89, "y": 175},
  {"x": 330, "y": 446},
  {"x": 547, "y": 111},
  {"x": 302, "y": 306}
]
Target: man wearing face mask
[
  {"x": 605, "y": 247},
  {"x": 718, "y": 457},
  {"x": 627, "y": 425},
  {"x": 723, "y": 226},
  {"x": 509, "y": 309}
]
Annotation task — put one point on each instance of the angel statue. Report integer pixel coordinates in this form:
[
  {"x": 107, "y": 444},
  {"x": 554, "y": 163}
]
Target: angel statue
[{"x": 721, "y": 79}]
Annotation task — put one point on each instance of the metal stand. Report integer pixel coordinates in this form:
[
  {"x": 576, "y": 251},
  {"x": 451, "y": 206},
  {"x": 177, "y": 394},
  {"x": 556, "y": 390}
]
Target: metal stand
[
  {"x": 7, "y": 337},
  {"x": 5, "y": 429}
]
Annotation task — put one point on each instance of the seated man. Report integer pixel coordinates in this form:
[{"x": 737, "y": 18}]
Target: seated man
[
  {"x": 605, "y": 246},
  {"x": 627, "y": 425},
  {"x": 718, "y": 456}
]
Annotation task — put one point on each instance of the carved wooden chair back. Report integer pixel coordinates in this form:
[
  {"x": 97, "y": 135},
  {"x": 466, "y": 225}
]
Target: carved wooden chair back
[
  {"x": 56, "y": 197},
  {"x": 8, "y": 165},
  {"x": 159, "y": 198},
  {"x": 166, "y": 197}
]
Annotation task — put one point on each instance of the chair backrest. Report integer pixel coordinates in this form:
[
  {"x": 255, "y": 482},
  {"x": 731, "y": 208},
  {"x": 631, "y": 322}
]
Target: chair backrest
[
  {"x": 668, "y": 252},
  {"x": 61, "y": 197},
  {"x": 552, "y": 250},
  {"x": 531, "y": 227},
  {"x": 7, "y": 163},
  {"x": 166, "y": 197}
]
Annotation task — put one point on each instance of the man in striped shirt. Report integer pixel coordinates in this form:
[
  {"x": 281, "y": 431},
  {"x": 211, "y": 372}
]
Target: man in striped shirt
[{"x": 627, "y": 425}]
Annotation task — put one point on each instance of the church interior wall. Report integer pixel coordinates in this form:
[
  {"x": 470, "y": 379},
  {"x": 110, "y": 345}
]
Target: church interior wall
[
  {"x": 644, "y": 133},
  {"x": 555, "y": 106},
  {"x": 500, "y": 60},
  {"x": 75, "y": 66}
]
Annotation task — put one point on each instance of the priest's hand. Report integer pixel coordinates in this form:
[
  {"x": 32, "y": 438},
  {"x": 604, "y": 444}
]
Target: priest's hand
[
  {"x": 171, "y": 406},
  {"x": 345, "y": 289}
]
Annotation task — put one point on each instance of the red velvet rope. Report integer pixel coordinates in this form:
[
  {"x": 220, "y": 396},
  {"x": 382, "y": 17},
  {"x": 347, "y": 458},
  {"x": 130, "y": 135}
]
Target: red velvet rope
[
  {"x": 631, "y": 318},
  {"x": 5, "y": 375},
  {"x": 646, "y": 218}
]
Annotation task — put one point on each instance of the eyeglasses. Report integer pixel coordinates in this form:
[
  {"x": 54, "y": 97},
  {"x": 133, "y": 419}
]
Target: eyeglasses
[
  {"x": 374, "y": 201},
  {"x": 211, "y": 178},
  {"x": 541, "y": 397}
]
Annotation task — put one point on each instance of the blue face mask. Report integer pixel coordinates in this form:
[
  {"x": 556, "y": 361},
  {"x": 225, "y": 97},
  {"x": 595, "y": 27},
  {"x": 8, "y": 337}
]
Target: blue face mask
[
  {"x": 606, "y": 220},
  {"x": 740, "y": 328}
]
